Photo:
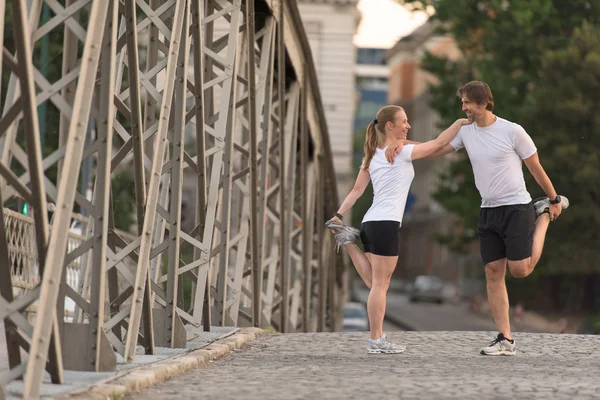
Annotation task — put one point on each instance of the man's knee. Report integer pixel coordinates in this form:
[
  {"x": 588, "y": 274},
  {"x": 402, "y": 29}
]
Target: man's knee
[
  {"x": 520, "y": 269},
  {"x": 496, "y": 270}
]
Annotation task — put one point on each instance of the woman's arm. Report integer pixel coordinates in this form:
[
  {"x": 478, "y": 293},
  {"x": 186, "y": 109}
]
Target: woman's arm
[
  {"x": 428, "y": 148},
  {"x": 362, "y": 180}
]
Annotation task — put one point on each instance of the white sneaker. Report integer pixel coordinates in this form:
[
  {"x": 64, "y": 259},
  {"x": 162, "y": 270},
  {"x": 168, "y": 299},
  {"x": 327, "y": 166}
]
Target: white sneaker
[
  {"x": 344, "y": 234},
  {"x": 383, "y": 345},
  {"x": 501, "y": 346},
  {"x": 542, "y": 204}
]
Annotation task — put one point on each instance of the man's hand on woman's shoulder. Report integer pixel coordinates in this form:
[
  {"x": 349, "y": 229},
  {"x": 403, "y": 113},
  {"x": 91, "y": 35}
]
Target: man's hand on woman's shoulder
[{"x": 392, "y": 151}]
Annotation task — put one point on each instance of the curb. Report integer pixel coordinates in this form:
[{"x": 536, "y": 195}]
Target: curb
[{"x": 143, "y": 377}]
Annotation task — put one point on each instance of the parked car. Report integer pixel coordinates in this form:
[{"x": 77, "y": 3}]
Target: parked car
[
  {"x": 591, "y": 326},
  {"x": 427, "y": 288},
  {"x": 355, "y": 317}
]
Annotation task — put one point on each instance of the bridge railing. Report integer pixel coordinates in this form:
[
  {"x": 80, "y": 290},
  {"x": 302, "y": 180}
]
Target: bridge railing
[
  {"x": 233, "y": 77},
  {"x": 23, "y": 257}
]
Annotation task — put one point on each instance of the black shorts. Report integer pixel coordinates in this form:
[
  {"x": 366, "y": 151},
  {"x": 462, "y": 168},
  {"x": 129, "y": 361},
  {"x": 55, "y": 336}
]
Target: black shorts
[
  {"x": 381, "y": 237},
  {"x": 506, "y": 232}
]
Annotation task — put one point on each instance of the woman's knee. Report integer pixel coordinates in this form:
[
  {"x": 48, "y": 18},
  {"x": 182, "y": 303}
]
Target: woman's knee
[{"x": 381, "y": 282}]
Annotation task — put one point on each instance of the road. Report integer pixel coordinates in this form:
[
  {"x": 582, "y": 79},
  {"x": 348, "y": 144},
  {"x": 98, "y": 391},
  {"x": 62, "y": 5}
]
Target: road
[{"x": 432, "y": 317}]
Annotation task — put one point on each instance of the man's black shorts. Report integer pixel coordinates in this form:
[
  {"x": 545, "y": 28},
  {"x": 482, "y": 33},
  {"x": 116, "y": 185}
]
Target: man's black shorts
[
  {"x": 506, "y": 232},
  {"x": 381, "y": 237}
]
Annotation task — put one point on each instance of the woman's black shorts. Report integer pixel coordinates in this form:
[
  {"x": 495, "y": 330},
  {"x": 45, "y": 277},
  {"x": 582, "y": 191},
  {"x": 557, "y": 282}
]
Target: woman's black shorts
[{"x": 381, "y": 237}]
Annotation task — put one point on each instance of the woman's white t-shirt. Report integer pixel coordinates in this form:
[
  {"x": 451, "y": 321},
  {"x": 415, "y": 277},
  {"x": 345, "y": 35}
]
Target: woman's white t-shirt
[{"x": 391, "y": 183}]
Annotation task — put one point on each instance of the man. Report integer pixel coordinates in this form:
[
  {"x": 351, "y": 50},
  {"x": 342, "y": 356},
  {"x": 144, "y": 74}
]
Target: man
[{"x": 511, "y": 227}]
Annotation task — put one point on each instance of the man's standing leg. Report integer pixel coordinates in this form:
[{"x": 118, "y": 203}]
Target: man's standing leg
[
  {"x": 491, "y": 226},
  {"x": 495, "y": 273}
]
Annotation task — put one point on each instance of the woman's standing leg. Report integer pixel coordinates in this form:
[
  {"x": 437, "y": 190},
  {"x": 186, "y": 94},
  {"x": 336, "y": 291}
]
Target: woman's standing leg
[{"x": 382, "y": 269}]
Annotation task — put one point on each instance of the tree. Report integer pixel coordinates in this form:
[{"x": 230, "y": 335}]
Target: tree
[
  {"x": 510, "y": 45},
  {"x": 565, "y": 116}
]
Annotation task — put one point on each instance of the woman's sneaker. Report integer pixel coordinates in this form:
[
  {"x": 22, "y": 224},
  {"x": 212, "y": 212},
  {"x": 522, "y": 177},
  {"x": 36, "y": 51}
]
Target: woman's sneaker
[
  {"x": 501, "y": 346},
  {"x": 343, "y": 234},
  {"x": 384, "y": 345},
  {"x": 542, "y": 204}
]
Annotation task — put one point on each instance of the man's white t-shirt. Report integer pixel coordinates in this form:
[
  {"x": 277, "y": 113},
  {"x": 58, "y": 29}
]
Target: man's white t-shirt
[
  {"x": 391, "y": 183},
  {"x": 496, "y": 153}
]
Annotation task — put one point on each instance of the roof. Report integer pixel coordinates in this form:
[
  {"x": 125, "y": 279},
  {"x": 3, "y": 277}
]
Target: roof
[
  {"x": 334, "y": 2},
  {"x": 415, "y": 39}
]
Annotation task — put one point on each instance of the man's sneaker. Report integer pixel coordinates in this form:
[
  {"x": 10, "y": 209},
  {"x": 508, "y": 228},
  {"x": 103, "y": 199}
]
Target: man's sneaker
[
  {"x": 383, "y": 345},
  {"x": 542, "y": 204},
  {"x": 501, "y": 346}
]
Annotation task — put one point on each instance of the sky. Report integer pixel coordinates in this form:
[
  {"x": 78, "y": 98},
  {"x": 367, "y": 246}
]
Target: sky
[{"x": 384, "y": 22}]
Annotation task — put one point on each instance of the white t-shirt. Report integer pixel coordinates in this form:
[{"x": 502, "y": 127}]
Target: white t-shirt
[
  {"x": 496, "y": 152},
  {"x": 391, "y": 183}
]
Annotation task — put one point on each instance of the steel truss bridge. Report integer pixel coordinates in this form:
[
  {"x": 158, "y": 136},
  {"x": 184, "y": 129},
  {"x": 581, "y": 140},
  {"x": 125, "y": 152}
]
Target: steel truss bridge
[{"x": 236, "y": 76}]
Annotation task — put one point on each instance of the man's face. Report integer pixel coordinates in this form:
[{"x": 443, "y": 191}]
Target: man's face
[{"x": 472, "y": 109}]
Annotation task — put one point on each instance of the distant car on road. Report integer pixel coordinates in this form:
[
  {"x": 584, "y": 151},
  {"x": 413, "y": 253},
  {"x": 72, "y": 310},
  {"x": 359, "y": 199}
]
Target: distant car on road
[
  {"x": 355, "y": 317},
  {"x": 590, "y": 326},
  {"x": 427, "y": 288}
]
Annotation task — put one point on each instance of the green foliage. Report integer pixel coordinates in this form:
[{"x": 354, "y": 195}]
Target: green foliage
[
  {"x": 123, "y": 191},
  {"x": 544, "y": 74},
  {"x": 565, "y": 119}
]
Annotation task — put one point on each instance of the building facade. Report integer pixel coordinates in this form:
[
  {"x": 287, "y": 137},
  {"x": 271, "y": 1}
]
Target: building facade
[{"x": 330, "y": 26}]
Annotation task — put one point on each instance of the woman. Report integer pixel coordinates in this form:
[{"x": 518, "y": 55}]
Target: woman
[{"x": 379, "y": 228}]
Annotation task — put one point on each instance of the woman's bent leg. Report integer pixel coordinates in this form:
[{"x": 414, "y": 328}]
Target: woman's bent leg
[{"x": 361, "y": 263}]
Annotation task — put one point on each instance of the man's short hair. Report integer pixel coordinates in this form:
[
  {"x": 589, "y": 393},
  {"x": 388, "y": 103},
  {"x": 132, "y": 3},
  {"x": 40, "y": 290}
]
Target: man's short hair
[{"x": 479, "y": 92}]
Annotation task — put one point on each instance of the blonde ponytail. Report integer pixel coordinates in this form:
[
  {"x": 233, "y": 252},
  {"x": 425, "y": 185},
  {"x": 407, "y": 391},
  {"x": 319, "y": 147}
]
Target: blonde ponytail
[{"x": 371, "y": 143}]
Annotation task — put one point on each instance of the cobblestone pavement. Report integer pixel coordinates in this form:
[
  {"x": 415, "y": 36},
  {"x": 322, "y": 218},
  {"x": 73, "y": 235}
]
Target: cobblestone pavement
[{"x": 436, "y": 365}]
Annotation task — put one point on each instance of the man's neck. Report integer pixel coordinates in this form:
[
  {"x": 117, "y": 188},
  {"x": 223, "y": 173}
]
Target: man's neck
[{"x": 486, "y": 120}]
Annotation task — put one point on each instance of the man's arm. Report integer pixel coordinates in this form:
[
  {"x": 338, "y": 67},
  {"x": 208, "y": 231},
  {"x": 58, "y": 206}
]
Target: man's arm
[{"x": 540, "y": 176}]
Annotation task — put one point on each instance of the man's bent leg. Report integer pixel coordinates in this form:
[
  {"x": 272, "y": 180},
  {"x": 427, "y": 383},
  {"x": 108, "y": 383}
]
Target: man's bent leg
[
  {"x": 495, "y": 273},
  {"x": 523, "y": 268},
  {"x": 361, "y": 263}
]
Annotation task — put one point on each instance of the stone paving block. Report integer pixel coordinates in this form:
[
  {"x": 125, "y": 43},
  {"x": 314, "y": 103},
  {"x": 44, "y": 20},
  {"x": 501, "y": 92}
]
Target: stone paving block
[{"x": 436, "y": 365}]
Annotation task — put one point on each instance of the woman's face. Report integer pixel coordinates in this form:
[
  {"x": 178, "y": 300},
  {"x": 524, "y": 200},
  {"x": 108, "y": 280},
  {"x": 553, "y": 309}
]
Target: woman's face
[{"x": 400, "y": 127}]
